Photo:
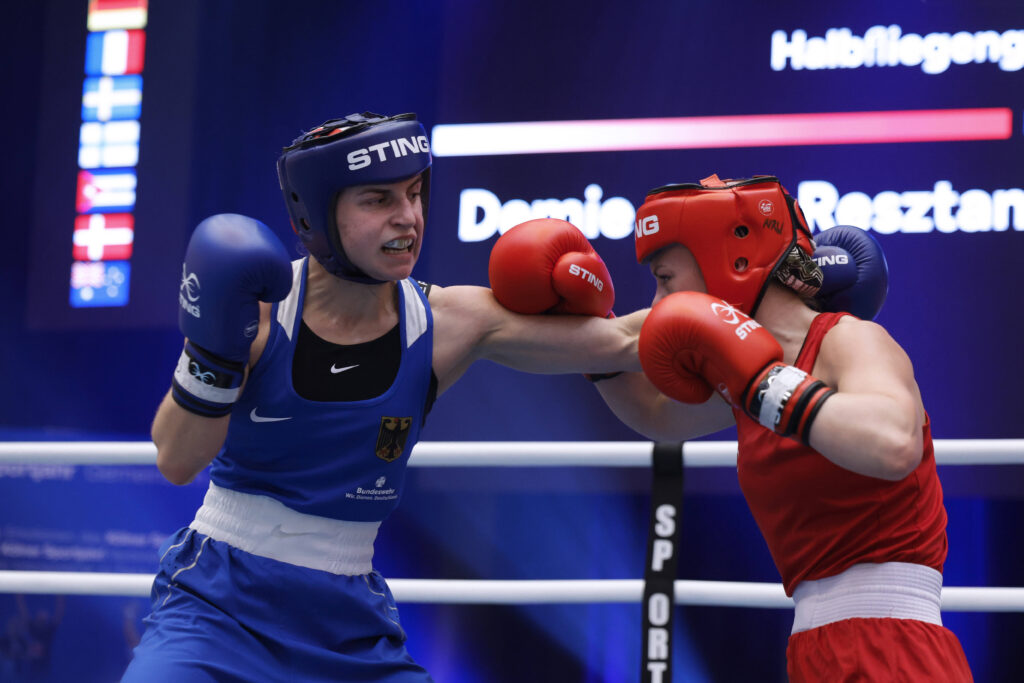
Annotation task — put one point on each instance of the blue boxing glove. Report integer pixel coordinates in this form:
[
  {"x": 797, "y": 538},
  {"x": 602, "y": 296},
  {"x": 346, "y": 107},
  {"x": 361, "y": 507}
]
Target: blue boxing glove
[
  {"x": 856, "y": 276},
  {"x": 231, "y": 263}
]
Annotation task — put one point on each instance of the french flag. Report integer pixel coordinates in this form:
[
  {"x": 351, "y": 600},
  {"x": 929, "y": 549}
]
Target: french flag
[
  {"x": 102, "y": 190},
  {"x": 103, "y": 237},
  {"x": 115, "y": 53}
]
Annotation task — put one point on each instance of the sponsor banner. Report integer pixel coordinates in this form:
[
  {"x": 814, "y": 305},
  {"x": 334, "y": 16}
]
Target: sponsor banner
[
  {"x": 91, "y": 534},
  {"x": 889, "y": 46},
  {"x": 482, "y": 214},
  {"x": 940, "y": 209},
  {"x": 701, "y": 132}
]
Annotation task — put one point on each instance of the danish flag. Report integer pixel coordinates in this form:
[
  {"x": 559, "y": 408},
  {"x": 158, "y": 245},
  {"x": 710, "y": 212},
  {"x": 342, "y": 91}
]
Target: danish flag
[{"x": 104, "y": 237}]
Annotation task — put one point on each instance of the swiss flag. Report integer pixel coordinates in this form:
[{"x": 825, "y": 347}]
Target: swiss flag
[{"x": 104, "y": 237}]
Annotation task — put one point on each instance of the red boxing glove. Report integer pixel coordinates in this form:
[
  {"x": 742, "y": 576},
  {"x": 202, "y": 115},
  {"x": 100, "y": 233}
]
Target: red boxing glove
[
  {"x": 547, "y": 266},
  {"x": 693, "y": 343}
]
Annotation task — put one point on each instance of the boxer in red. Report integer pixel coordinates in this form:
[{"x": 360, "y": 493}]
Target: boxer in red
[{"x": 835, "y": 451}]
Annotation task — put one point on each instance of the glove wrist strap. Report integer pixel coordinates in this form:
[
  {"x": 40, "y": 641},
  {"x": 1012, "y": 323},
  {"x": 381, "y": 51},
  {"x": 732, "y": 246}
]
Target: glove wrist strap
[
  {"x": 785, "y": 399},
  {"x": 206, "y": 384}
]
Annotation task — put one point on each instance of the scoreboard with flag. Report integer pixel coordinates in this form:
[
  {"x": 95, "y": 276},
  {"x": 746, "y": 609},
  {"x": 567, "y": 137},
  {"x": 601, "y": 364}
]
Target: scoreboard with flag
[{"x": 108, "y": 152}]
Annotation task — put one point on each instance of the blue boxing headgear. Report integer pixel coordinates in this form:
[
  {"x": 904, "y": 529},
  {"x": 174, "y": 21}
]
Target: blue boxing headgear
[
  {"x": 856, "y": 275},
  {"x": 359, "y": 149}
]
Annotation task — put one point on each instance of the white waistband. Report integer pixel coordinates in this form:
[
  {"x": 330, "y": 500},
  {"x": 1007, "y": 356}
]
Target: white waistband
[
  {"x": 892, "y": 590},
  {"x": 265, "y": 527}
]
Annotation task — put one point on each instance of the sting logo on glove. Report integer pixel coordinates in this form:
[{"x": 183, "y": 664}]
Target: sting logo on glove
[
  {"x": 188, "y": 292},
  {"x": 546, "y": 265},
  {"x": 692, "y": 344},
  {"x": 732, "y": 316},
  {"x": 587, "y": 276}
]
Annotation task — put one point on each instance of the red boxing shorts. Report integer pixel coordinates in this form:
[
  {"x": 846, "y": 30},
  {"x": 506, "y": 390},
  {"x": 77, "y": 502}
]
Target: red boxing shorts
[{"x": 876, "y": 650}]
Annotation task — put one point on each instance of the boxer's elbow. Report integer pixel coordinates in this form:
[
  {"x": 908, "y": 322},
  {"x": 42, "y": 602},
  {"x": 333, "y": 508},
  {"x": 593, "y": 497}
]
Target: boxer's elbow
[
  {"x": 185, "y": 443},
  {"x": 900, "y": 456},
  {"x": 174, "y": 469},
  {"x": 180, "y": 461}
]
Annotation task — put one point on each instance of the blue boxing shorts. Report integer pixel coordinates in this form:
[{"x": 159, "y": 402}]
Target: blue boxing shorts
[{"x": 222, "y": 614}]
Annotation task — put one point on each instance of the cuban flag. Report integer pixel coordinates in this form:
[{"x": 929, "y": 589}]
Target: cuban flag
[
  {"x": 108, "y": 145},
  {"x": 103, "y": 237},
  {"x": 109, "y": 14},
  {"x": 105, "y": 191},
  {"x": 115, "y": 53},
  {"x": 111, "y": 97},
  {"x": 101, "y": 283}
]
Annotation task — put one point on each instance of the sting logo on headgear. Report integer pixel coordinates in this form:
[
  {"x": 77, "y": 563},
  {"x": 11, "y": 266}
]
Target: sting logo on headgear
[
  {"x": 391, "y": 437},
  {"x": 392, "y": 149},
  {"x": 359, "y": 149},
  {"x": 723, "y": 223},
  {"x": 648, "y": 225}
]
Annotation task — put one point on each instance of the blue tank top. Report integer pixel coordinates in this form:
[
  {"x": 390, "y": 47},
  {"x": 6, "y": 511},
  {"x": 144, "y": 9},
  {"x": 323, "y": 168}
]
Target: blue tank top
[{"x": 342, "y": 460}]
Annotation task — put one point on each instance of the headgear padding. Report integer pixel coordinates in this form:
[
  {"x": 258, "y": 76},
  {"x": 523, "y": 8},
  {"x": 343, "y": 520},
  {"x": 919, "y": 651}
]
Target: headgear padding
[
  {"x": 359, "y": 149},
  {"x": 741, "y": 232}
]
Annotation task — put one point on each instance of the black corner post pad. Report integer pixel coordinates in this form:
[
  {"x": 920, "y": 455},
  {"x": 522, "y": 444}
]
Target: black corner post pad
[{"x": 662, "y": 562}]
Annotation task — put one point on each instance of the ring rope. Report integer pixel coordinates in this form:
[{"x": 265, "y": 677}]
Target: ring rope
[
  {"x": 510, "y": 454},
  {"x": 522, "y": 592},
  {"x": 502, "y": 453}
]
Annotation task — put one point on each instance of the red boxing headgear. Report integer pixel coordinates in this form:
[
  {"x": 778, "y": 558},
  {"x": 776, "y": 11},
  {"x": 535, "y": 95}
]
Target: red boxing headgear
[{"x": 740, "y": 231}]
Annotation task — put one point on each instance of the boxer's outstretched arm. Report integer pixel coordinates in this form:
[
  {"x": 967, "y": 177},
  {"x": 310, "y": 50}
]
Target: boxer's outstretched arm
[
  {"x": 644, "y": 409},
  {"x": 471, "y": 325},
  {"x": 544, "y": 266}
]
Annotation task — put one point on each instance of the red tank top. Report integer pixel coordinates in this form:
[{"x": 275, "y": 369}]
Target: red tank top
[{"x": 819, "y": 519}]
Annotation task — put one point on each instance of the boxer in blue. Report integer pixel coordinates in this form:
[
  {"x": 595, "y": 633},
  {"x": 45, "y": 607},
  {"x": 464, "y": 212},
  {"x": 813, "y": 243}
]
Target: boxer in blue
[{"x": 304, "y": 385}]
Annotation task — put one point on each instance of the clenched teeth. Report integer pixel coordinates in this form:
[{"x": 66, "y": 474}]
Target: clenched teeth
[{"x": 399, "y": 244}]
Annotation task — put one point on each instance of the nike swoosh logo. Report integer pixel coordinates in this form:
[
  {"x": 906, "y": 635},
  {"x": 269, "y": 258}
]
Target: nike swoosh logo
[
  {"x": 256, "y": 418},
  {"x": 335, "y": 371}
]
